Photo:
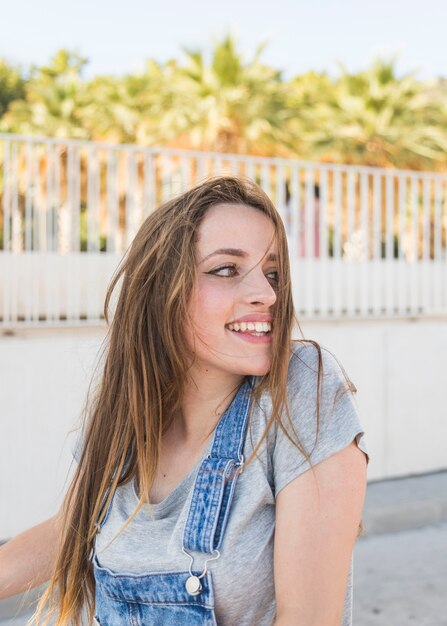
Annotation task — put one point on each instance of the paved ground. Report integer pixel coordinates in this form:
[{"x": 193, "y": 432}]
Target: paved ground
[
  {"x": 400, "y": 579},
  {"x": 405, "y": 503},
  {"x": 400, "y": 565}
]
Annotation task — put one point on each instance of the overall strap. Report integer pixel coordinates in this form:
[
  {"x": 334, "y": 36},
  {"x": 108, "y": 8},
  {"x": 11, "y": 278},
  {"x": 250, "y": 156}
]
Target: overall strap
[{"x": 217, "y": 476}]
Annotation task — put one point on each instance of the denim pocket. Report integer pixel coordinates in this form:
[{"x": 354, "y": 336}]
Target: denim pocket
[{"x": 156, "y": 599}]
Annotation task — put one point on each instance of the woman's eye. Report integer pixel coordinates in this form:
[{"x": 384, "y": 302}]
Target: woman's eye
[
  {"x": 227, "y": 271},
  {"x": 273, "y": 276}
]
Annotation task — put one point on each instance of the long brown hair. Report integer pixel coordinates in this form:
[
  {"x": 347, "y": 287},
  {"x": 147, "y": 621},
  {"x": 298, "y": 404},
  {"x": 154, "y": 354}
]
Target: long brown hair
[{"x": 144, "y": 372}]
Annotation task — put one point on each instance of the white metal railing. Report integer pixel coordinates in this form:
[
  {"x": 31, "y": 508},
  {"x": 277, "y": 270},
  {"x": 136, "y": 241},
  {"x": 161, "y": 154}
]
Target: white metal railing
[{"x": 364, "y": 242}]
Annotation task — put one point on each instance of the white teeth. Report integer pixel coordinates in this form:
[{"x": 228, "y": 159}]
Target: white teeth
[{"x": 253, "y": 327}]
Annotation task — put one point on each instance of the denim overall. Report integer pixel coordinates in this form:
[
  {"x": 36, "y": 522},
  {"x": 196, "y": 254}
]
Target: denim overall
[{"x": 185, "y": 597}]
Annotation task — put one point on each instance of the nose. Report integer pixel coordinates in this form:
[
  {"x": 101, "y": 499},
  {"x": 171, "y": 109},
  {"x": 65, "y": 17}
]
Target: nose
[{"x": 258, "y": 290}]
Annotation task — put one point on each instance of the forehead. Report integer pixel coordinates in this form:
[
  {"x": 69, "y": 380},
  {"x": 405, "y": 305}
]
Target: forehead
[{"x": 236, "y": 226}]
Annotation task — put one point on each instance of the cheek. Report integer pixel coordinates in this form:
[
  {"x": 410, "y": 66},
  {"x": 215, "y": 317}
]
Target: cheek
[
  {"x": 213, "y": 299},
  {"x": 211, "y": 308}
]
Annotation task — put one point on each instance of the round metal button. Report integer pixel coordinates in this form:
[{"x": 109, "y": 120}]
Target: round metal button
[{"x": 193, "y": 586}]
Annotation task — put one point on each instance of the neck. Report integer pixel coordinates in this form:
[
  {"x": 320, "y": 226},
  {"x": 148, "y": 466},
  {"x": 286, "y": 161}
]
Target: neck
[{"x": 206, "y": 397}]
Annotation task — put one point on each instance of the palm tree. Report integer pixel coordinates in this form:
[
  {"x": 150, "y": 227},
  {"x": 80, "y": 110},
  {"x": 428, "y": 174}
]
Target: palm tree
[
  {"x": 12, "y": 85},
  {"x": 304, "y": 95},
  {"x": 130, "y": 109},
  {"x": 375, "y": 118},
  {"x": 54, "y": 96},
  {"x": 228, "y": 105}
]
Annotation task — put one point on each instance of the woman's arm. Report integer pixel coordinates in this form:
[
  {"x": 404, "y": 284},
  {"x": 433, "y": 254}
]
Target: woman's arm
[
  {"x": 27, "y": 560},
  {"x": 317, "y": 519}
]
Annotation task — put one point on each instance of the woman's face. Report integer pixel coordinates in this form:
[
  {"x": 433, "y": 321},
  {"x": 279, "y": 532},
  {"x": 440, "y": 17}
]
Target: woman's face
[{"x": 232, "y": 302}]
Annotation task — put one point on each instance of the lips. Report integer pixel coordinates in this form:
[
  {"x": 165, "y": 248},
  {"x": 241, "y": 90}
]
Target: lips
[
  {"x": 257, "y": 317},
  {"x": 252, "y": 336},
  {"x": 254, "y": 332}
]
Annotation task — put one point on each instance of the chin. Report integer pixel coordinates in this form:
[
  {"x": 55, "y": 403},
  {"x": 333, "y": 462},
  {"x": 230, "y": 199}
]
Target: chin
[{"x": 259, "y": 369}]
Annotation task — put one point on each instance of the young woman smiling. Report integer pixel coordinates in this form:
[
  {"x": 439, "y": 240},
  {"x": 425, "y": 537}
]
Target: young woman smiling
[{"x": 221, "y": 469}]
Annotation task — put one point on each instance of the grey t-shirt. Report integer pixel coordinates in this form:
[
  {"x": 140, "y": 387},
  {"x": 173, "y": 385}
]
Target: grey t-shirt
[{"x": 151, "y": 544}]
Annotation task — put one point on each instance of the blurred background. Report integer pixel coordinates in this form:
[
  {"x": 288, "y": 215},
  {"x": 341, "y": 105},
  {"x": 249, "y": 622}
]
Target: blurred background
[{"x": 339, "y": 111}]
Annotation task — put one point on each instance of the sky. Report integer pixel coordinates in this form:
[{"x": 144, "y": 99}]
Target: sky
[{"x": 118, "y": 35}]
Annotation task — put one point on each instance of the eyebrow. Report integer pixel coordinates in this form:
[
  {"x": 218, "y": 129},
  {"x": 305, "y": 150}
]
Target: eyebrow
[{"x": 236, "y": 252}]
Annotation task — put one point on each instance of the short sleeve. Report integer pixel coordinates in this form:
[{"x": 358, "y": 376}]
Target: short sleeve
[{"x": 339, "y": 422}]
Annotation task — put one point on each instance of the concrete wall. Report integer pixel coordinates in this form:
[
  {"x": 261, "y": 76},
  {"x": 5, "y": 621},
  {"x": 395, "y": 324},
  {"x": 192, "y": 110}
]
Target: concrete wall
[{"x": 398, "y": 367}]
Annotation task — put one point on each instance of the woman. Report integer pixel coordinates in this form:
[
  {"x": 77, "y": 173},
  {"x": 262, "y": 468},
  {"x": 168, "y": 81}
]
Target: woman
[{"x": 191, "y": 502}]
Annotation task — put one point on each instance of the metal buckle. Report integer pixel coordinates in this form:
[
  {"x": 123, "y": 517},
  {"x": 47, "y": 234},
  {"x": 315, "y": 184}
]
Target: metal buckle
[{"x": 193, "y": 585}]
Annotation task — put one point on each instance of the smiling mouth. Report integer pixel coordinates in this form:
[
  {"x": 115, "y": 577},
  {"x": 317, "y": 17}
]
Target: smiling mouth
[{"x": 256, "y": 329}]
